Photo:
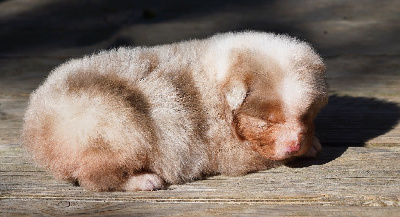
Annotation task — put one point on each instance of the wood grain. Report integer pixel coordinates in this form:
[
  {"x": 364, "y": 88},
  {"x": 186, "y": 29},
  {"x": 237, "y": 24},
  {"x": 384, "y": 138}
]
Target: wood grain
[{"x": 361, "y": 177}]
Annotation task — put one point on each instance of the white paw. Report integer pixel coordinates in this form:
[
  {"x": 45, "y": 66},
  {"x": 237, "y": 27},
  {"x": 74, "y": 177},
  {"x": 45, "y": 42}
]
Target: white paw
[
  {"x": 314, "y": 149},
  {"x": 144, "y": 182}
]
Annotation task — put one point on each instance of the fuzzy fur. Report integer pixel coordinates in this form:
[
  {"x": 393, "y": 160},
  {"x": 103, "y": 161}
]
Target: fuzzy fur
[{"x": 142, "y": 118}]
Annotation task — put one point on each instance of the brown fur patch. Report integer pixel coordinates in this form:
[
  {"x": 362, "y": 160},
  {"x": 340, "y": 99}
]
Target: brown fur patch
[
  {"x": 190, "y": 97},
  {"x": 108, "y": 85},
  {"x": 243, "y": 67},
  {"x": 308, "y": 120},
  {"x": 262, "y": 109},
  {"x": 102, "y": 169},
  {"x": 46, "y": 149},
  {"x": 150, "y": 59},
  {"x": 257, "y": 124},
  {"x": 116, "y": 90}
]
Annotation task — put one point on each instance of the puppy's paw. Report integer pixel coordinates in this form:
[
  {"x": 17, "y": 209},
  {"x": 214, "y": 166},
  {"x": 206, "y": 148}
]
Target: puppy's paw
[
  {"x": 314, "y": 149},
  {"x": 144, "y": 182}
]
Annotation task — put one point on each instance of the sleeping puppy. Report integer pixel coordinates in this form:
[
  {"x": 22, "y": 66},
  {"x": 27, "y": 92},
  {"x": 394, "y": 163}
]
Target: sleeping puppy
[{"x": 143, "y": 118}]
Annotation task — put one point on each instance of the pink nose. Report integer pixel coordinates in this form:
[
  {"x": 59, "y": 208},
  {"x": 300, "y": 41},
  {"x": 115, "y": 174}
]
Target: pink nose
[{"x": 294, "y": 147}]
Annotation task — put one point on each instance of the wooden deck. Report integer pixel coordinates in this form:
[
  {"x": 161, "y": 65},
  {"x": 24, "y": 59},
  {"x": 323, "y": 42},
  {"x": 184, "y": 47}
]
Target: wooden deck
[{"x": 357, "y": 174}]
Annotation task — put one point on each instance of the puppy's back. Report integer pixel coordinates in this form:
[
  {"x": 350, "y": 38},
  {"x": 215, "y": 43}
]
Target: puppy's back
[{"x": 103, "y": 118}]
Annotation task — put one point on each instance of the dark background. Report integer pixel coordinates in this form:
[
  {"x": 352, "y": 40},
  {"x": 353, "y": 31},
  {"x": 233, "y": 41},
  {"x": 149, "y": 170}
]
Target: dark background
[{"x": 77, "y": 27}]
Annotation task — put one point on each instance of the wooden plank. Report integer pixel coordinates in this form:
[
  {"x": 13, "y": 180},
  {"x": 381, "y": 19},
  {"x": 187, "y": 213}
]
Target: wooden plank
[
  {"x": 357, "y": 177},
  {"x": 77, "y": 208}
]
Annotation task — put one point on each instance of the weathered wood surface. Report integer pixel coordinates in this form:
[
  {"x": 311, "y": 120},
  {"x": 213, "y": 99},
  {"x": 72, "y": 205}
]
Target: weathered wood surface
[
  {"x": 359, "y": 177},
  {"x": 357, "y": 174}
]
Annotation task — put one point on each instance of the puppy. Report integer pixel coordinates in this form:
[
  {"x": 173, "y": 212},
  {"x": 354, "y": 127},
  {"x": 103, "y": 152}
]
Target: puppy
[{"x": 143, "y": 118}]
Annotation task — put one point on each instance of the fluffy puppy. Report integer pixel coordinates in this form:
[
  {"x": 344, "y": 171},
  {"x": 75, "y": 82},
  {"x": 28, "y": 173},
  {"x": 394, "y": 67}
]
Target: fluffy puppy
[{"x": 142, "y": 118}]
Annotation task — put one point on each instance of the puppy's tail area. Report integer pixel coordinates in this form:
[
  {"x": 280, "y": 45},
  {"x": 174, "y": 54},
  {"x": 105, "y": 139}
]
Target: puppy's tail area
[{"x": 91, "y": 135}]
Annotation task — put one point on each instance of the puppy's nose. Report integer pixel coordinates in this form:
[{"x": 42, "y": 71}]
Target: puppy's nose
[{"x": 294, "y": 146}]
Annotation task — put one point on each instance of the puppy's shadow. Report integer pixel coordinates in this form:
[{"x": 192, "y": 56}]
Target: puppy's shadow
[{"x": 350, "y": 122}]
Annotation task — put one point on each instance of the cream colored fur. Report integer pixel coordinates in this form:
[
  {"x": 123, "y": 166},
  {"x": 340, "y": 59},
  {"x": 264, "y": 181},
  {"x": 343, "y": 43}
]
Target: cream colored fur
[{"x": 142, "y": 118}]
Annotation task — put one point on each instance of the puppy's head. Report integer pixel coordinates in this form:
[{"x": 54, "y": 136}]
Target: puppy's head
[{"x": 275, "y": 99}]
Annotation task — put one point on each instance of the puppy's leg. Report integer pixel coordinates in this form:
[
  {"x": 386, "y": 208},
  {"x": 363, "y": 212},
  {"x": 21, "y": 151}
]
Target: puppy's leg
[
  {"x": 314, "y": 149},
  {"x": 144, "y": 182}
]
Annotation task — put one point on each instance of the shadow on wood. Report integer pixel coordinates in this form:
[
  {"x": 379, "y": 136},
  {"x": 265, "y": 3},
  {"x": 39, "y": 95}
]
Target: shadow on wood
[
  {"x": 353, "y": 121},
  {"x": 350, "y": 122}
]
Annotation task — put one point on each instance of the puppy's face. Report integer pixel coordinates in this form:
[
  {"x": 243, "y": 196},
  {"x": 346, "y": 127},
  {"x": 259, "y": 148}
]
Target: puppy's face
[
  {"x": 274, "y": 110},
  {"x": 272, "y": 130}
]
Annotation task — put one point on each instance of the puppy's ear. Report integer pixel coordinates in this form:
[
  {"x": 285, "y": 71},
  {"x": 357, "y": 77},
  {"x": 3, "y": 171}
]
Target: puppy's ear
[
  {"x": 235, "y": 93},
  {"x": 242, "y": 68}
]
